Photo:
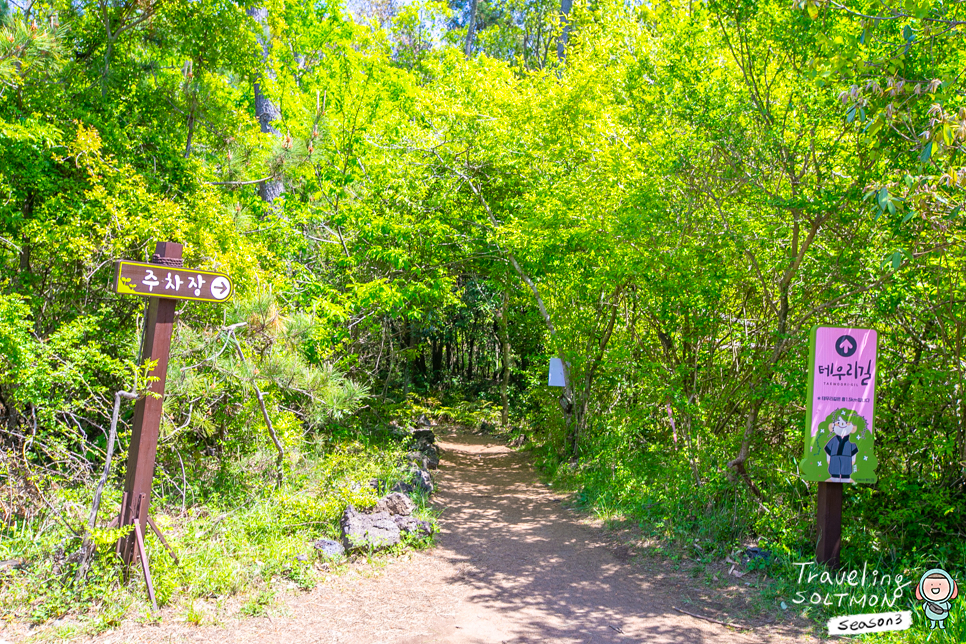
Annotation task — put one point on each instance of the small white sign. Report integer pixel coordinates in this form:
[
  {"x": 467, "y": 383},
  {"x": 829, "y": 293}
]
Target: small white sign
[
  {"x": 557, "y": 378},
  {"x": 870, "y": 623}
]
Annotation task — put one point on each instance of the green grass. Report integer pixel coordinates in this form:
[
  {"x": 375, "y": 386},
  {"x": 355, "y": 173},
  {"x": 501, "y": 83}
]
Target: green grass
[{"x": 245, "y": 538}]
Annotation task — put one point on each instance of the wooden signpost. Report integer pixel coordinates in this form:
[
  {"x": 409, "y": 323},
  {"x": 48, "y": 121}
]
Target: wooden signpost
[
  {"x": 839, "y": 425},
  {"x": 164, "y": 282}
]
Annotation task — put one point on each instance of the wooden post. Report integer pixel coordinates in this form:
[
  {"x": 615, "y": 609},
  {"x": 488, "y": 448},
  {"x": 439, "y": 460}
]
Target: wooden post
[
  {"x": 829, "y": 524},
  {"x": 147, "y": 411}
]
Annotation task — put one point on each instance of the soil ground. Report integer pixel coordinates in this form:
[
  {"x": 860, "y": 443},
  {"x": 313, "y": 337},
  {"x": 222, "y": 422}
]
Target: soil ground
[{"x": 512, "y": 565}]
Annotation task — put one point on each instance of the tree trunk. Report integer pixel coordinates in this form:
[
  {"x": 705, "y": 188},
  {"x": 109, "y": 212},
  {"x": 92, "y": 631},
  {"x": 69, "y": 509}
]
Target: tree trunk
[
  {"x": 738, "y": 464},
  {"x": 505, "y": 353},
  {"x": 265, "y": 110},
  {"x": 582, "y": 400},
  {"x": 385, "y": 386},
  {"x": 471, "y": 30},
  {"x": 437, "y": 359},
  {"x": 419, "y": 358},
  {"x": 565, "y": 7},
  {"x": 408, "y": 357}
]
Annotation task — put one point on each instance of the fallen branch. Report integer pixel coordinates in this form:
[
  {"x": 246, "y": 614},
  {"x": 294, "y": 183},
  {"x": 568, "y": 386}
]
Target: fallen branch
[
  {"x": 238, "y": 183},
  {"x": 280, "y": 459},
  {"x": 87, "y": 551}
]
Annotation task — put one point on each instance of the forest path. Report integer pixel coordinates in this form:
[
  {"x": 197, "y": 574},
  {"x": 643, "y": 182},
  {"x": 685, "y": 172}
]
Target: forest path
[{"x": 512, "y": 565}]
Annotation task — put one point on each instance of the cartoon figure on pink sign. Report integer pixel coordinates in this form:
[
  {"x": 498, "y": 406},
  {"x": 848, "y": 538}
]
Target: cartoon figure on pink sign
[
  {"x": 840, "y": 452},
  {"x": 840, "y": 415}
]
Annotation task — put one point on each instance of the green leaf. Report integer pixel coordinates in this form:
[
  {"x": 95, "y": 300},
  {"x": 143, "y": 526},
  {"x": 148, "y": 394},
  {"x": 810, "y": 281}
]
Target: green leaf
[
  {"x": 926, "y": 153},
  {"x": 883, "y": 197},
  {"x": 948, "y": 137},
  {"x": 909, "y": 215},
  {"x": 874, "y": 126}
]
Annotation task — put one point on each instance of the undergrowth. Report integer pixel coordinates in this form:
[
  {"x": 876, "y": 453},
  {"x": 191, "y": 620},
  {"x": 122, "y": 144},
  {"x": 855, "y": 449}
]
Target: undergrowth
[{"x": 244, "y": 538}]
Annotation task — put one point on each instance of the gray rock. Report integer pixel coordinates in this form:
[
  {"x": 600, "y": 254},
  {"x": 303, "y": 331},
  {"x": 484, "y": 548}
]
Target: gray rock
[
  {"x": 750, "y": 554},
  {"x": 431, "y": 457},
  {"x": 329, "y": 549},
  {"x": 396, "y": 504},
  {"x": 403, "y": 487},
  {"x": 423, "y": 481},
  {"x": 424, "y": 435},
  {"x": 412, "y": 525},
  {"x": 362, "y": 531},
  {"x": 419, "y": 459},
  {"x": 422, "y": 421}
]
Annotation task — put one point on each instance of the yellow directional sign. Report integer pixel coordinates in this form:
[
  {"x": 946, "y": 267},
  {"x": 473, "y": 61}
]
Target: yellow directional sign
[{"x": 155, "y": 280}]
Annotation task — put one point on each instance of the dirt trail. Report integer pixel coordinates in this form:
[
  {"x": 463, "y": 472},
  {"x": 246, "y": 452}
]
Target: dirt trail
[{"x": 512, "y": 565}]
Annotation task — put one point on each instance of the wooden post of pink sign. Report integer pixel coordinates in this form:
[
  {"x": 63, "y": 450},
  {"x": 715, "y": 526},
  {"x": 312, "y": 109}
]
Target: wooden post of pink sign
[
  {"x": 839, "y": 429},
  {"x": 829, "y": 505}
]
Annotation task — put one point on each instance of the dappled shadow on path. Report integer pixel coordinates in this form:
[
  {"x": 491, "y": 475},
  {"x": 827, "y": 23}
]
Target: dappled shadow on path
[
  {"x": 512, "y": 565},
  {"x": 548, "y": 576}
]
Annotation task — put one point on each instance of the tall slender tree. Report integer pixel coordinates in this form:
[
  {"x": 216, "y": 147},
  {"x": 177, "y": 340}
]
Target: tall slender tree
[{"x": 266, "y": 111}]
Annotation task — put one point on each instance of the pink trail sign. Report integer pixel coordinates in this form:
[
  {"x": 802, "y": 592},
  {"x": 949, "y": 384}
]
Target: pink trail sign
[{"x": 840, "y": 415}]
